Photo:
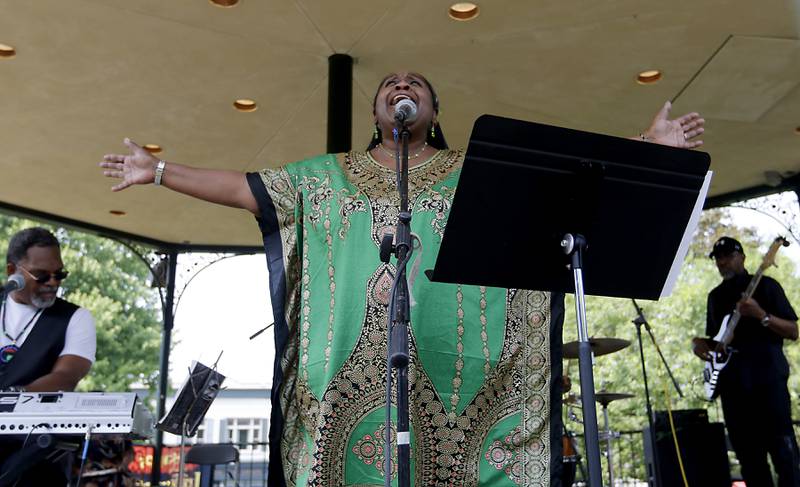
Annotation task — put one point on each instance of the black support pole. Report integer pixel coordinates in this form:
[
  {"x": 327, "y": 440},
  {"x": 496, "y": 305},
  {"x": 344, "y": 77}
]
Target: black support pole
[
  {"x": 163, "y": 385},
  {"x": 340, "y": 103}
]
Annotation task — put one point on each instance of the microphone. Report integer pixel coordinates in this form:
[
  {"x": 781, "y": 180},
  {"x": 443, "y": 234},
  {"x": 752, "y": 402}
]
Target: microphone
[
  {"x": 405, "y": 111},
  {"x": 15, "y": 283}
]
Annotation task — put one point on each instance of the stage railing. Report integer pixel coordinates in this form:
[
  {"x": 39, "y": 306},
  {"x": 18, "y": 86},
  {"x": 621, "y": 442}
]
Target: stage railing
[
  {"x": 628, "y": 460},
  {"x": 628, "y": 466}
]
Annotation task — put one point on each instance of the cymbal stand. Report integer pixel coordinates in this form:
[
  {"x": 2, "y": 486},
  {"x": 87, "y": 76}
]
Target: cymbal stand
[
  {"x": 609, "y": 446},
  {"x": 640, "y": 321},
  {"x": 573, "y": 443}
]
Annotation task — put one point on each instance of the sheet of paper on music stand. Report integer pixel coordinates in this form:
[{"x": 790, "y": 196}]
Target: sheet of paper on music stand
[
  {"x": 683, "y": 249},
  {"x": 192, "y": 400}
]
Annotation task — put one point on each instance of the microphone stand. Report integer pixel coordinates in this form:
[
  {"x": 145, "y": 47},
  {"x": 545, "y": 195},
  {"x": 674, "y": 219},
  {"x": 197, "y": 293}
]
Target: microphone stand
[
  {"x": 639, "y": 321},
  {"x": 573, "y": 246},
  {"x": 397, "y": 354}
]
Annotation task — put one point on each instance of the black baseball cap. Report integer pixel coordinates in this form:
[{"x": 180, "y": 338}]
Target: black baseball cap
[{"x": 725, "y": 246}]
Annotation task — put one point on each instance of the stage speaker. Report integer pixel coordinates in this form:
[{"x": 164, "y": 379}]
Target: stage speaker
[{"x": 703, "y": 450}]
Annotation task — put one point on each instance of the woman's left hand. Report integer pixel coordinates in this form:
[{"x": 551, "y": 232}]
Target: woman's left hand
[{"x": 680, "y": 132}]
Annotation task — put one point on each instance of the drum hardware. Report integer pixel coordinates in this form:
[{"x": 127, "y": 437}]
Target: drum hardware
[
  {"x": 600, "y": 346},
  {"x": 605, "y": 398}
]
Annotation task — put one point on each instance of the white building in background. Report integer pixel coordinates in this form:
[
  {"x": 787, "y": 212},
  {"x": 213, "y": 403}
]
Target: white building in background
[{"x": 238, "y": 415}]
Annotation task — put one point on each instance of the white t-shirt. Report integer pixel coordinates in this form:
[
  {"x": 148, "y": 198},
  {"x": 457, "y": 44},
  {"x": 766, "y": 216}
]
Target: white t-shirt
[{"x": 80, "y": 339}]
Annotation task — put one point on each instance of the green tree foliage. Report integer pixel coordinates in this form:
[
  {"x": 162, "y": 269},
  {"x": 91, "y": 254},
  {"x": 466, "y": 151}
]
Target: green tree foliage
[
  {"x": 109, "y": 280},
  {"x": 674, "y": 321}
]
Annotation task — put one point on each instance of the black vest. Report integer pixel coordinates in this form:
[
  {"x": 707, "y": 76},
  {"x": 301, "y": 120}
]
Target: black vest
[{"x": 41, "y": 348}]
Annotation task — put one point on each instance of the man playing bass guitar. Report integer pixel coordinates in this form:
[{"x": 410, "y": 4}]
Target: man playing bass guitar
[{"x": 753, "y": 383}]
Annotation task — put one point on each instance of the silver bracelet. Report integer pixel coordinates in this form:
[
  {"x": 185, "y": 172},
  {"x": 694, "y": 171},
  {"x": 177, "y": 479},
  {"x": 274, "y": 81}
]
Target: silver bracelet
[{"x": 159, "y": 172}]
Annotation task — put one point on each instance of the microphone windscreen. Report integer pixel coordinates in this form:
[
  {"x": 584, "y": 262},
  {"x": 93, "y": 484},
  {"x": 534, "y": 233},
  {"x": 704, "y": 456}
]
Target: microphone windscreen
[
  {"x": 19, "y": 280},
  {"x": 405, "y": 110}
]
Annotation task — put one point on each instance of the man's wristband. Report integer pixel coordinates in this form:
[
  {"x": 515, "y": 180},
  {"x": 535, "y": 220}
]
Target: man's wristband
[
  {"x": 159, "y": 172},
  {"x": 766, "y": 319}
]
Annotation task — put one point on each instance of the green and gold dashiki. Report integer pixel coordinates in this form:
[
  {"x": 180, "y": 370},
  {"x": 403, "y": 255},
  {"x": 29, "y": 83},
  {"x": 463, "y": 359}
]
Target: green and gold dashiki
[{"x": 482, "y": 367}]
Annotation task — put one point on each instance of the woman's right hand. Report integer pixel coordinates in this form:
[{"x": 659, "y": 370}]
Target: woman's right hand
[{"x": 138, "y": 167}]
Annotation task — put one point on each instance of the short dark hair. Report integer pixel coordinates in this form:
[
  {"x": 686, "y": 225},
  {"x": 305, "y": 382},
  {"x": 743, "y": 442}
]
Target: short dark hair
[{"x": 30, "y": 237}]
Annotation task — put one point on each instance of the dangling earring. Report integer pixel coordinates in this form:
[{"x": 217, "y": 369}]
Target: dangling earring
[
  {"x": 433, "y": 133},
  {"x": 375, "y": 133}
]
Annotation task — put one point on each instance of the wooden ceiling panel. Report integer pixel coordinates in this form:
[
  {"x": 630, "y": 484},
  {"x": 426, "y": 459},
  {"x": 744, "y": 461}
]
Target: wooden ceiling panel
[
  {"x": 746, "y": 78},
  {"x": 90, "y": 72},
  {"x": 344, "y": 22},
  {"x": 273, "y": 24}
]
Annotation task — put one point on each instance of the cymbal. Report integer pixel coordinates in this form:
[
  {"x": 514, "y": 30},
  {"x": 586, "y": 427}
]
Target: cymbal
[
  {"x": 600, "y": 346},
  {"x": 606, "y": 397}
]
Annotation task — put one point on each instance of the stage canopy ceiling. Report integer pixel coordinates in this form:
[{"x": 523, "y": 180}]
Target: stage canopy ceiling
[{"x": 87, "y": 73}]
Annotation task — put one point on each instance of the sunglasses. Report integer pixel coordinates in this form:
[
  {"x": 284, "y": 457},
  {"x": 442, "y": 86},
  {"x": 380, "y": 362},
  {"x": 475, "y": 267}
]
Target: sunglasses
[{"x": 45, "y": 277}]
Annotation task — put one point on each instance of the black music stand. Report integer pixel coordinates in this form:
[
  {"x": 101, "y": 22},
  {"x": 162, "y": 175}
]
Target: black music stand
[
  {"x": 530, "y": 193},
  {"x": 191, "y": 404}
]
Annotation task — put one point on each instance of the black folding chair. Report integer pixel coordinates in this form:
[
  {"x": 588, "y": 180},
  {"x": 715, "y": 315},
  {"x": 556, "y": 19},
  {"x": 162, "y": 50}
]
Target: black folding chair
[{"x": 215, "y": 454}]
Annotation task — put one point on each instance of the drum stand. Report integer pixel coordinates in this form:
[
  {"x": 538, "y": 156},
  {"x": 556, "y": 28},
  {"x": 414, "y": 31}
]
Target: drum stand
[
  {"x": 609, "y": 446},
  {"x": 570, "y": 454}
]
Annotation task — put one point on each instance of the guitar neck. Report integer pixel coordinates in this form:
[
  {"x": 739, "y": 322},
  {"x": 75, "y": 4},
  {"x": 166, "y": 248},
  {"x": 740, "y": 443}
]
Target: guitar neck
[
  {"x": 751, "y": 288},
  {"x": 727, "y": 338}
]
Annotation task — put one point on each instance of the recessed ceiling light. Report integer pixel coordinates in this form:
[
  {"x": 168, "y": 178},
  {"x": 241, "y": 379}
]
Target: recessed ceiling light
[
  {"x": 224, "y": 3},
  {"x": 245, "y": 105},
  {"x": 117, "y": 212},
  {"x": 7, "y": 51},
  {"x": 648, "y": 77},
  {"x": 152, "y": 148},
  {"x": 463, "y": 11}
]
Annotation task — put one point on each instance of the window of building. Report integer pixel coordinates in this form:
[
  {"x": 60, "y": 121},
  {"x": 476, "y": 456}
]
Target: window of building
[
  {"x": 200, "y": 436},
  {"x": 247, "y": 432}
]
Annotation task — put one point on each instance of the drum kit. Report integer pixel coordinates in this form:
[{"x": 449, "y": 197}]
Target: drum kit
[{"x": 571, "y": 459}]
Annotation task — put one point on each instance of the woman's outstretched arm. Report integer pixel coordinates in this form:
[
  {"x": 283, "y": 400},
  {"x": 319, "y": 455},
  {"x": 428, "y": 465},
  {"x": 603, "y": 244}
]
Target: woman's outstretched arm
[{"x": 223, "y": 187}]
